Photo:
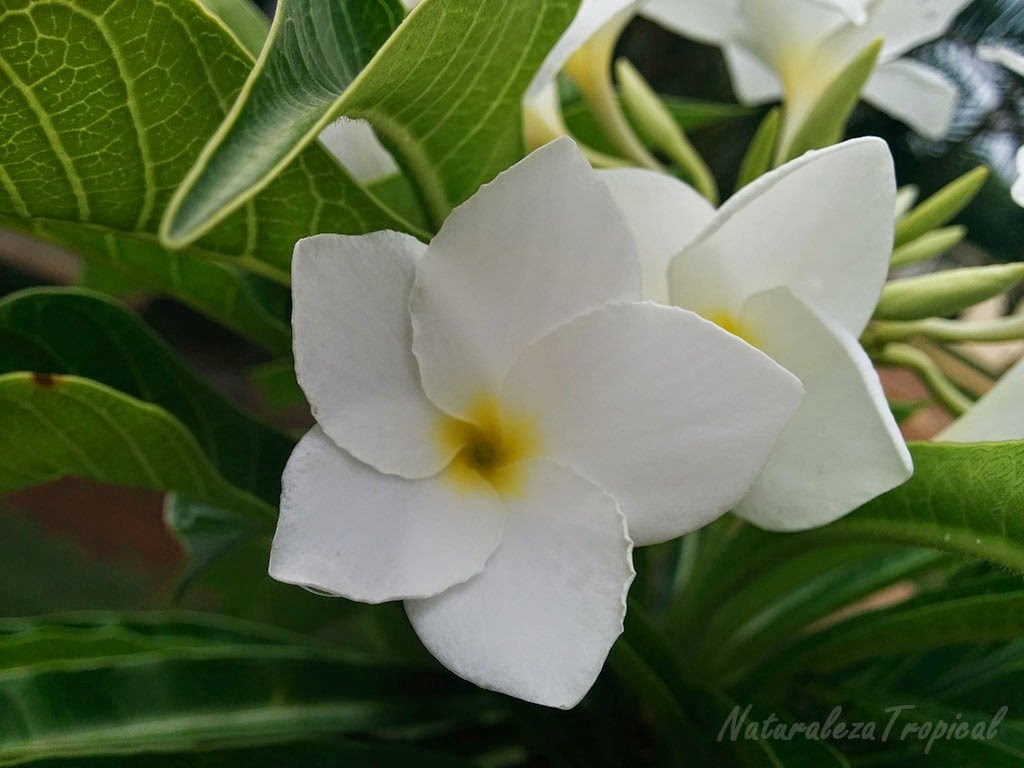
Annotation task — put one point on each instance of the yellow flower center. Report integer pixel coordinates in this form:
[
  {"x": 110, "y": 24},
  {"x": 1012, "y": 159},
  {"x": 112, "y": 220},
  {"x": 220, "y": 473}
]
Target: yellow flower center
[
  {"x": 728, "y": 322},
  {"x": 489, "y": 447}
]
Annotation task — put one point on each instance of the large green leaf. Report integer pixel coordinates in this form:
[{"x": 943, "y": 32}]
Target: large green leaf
[
  {"x": 962, "y": 498},
  {"x": 185, "y": 685},
  {"x": 106, "y": 106},
  {"x": 74, "y": 332},
  {"x": 443, "y": 93},
  {"x": 54, "y": 426}
]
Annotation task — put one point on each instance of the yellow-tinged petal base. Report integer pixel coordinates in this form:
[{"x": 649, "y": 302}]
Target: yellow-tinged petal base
[
  {"x": 728, "y": 322},
  {"x": 489, "y": 446}
]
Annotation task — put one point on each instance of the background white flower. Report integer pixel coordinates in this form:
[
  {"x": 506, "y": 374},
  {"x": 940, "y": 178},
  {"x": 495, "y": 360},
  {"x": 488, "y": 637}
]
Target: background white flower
[
  {"x": 1014, "y": 62},
  {"x": 795, "y": 48},
  {"x": 498, "y": 421},
  {"x": 795, "y": 264}
]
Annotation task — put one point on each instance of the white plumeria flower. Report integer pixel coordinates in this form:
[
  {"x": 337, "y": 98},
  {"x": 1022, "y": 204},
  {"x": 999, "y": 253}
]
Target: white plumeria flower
[
  {"x": 996, "y": 417},
  {"x": 795, "y": 48},
  {"x": 795, "y": 264},
  {"x": 499, "y": 419}
]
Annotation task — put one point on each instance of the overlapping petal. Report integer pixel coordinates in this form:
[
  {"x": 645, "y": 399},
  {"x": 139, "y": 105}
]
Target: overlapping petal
[
  {"x": 754, "y": 81},
  {"x": 539, "y": 621},
  {"x": 920, "y": 96},
  {"x": 348, "y": 530},
  {"x": 903, "y": 24},
  {"x": 353, "y": 350},
  {"x": 843, "y": 447},
  {"x": 664, "y": 215},
  {"x": 591, "y": 17},
  {"x": 540, "y": 245},
  {"x": 821, "y": 225},
  {"x": 667, "y": 412}
]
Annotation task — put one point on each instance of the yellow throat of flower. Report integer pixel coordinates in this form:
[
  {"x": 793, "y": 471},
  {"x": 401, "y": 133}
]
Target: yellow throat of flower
[
  {"x": 727, "y": 321},
  {"x": 489, "y": 447}
]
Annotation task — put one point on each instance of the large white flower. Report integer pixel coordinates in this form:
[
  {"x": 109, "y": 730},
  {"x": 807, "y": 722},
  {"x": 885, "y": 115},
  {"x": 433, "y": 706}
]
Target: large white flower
[
  {"x": 795, "y": 48},
  {"x": 498, "y": 420},
  {"x": 795, "y": 264}
]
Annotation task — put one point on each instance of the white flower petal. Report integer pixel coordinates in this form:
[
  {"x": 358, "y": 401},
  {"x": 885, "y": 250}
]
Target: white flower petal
[
  {"x": 539, "y": 621},
  {"x": 1007, "y": 57},
  {"x": 821, "y": 225},
  {"x": 996, "y": 417},
  {"x": 903, "y": 24},
  {"x": 843, "y": 447},
  {"x": 353, "y": 350},
  {"x": 713, "y": 21},
  {"x": 538, "y": 246},
  {"x": 913, "y": 92},
  {"x": 753, "y": 81},
  {"x": 591, "y": 17},
  {"x": 357, "y": 147},
  {"x": 786, "y": 32},
  {"x": 347, "y": 530},
  {"x": 1017, "y": 192},
  {"x": 665, "y": 216},
  {"x": 667, "y": 412}
]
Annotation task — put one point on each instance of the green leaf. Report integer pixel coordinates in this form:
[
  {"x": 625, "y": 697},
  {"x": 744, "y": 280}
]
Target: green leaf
[
  {"x": 179, "y": 691},
  {"x": 758, "y": 160},
  {"x": 826, "y": 122},
  {"x": 78, "y": 333},
  {"x": 42, "y": 572},
  {"x": 928, "y": 246},
  {"x": 277, "y": 384},
  {"x": 689, "y": 114},
  {"x": 752, "y": 623},
  {"x": 963, "y": 498},
  {"x": 659, "y": 130},
  {"x": 103, "y": 117},
  {"x": 443, "y": 94},
  {"x": 945, "y": 293},
  {"x": 314, "y": 51},
  {"x": 244, "y": 19},
  {"x": 942, "y": 207},
  {"x": 102, "y": 635},
  {"x": 915, "y": 628},
  {"x": 325, "y": 753},
  {"x": 54, "y": 426}
]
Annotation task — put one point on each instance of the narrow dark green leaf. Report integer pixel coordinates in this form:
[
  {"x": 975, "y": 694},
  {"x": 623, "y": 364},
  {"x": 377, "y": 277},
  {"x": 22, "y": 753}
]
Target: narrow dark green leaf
[
  {"x": 325, "y": 753},
  {"x": 758, "y": 160},
  {"x": 183, "y": 691},
  {"x": 942, "y": 207},
  {"x": 826, "y": 122}
]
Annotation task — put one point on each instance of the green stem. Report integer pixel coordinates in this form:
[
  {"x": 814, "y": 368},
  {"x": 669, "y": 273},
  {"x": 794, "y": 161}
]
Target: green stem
[
  {"x": 942, "y": 389},
  {"x": 950, "y": 331}
]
